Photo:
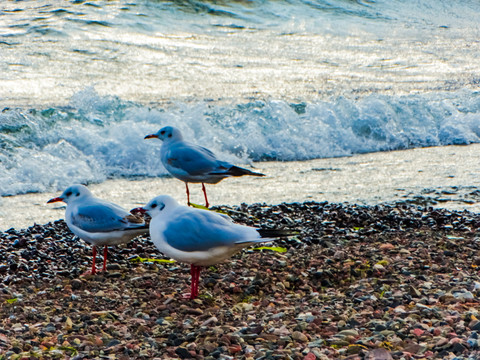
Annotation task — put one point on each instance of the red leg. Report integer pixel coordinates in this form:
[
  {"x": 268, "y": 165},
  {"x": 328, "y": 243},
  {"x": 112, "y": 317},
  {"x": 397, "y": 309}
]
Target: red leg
[
  {"x": 205, "y": 193},
  {"x": 105, "y": 251},
  {"x": 194, "y": 282},
  {"x": 195, "y": 271},
  {"x": 195, "y": 274},
  {"x": 94, "y": 269},
  {"x": 188, "y": 194},
  {"x": 197, "y": 279}
]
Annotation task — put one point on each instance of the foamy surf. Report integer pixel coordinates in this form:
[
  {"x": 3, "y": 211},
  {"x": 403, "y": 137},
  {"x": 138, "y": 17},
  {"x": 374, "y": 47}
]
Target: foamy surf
[{"x": 101, "y": 137}]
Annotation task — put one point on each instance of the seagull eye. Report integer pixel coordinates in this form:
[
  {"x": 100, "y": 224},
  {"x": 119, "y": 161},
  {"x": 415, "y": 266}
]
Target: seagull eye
[
  {"x": 154, "y": 206},
  {"x": 162, "y": 132},
  {"x": 68, "y": 193}
]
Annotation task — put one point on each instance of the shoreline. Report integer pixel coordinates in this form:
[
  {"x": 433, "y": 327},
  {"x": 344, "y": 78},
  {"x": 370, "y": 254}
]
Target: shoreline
[
  {"x": 358, "y": 282},
  {"x": 443, "y": 177}
]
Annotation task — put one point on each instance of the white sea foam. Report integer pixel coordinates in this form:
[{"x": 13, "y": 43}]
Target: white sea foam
[{"x": 100, "y": 137}]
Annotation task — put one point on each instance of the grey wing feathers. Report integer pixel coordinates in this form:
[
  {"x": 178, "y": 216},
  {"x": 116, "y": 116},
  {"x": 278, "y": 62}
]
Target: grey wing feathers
[
  {"x": 195, "y": 160},
  {"x": 96, "y": 218},
  {"x": 197, "y": 237}
]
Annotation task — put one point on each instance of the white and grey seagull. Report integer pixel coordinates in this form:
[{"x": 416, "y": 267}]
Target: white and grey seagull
[
  {"x": 98, "y": 222},
  {"x": 192, "y": 163},
  {"x": 199, "y": 237}
]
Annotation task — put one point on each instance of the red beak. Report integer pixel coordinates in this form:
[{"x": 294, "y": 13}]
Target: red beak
[
  {"x": 57, "y": 199},
  {"x": 151, "y": 136},
  {"x": 138, "y": 210}
]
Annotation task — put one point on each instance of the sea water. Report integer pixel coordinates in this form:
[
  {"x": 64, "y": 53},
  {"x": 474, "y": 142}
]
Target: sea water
[{"x": 82, "y": 83}]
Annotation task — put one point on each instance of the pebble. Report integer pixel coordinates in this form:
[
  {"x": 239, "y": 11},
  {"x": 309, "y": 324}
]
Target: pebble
[
  {"x": 113, "y": 342},
  {"x": 76, "y": 284},
  {"x": 316, "y": 343},
  {"x": 183, "y": 353},
  {"x": 298, "y": 336},
  {"x": 349, "y": 332},
  {"x": 310, "y": 356},
  {"x": 463, "y": 295}
]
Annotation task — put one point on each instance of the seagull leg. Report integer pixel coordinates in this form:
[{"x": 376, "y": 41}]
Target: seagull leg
[
  {"x": 193, "y": 295},
  {"x": 192, "y": 284},
  {"x": 197, "y": 279},
  {"x": 188, "y": 194},
  {"x": 205, "y": 193},
  {"x": 94, "y": 269},
  {"x": 105, "y": 251}
]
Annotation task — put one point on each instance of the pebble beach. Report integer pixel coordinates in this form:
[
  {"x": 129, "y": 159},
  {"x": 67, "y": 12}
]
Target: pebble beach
[
  {"x": 357, "y": 282},
  {"x": 364, "y": 116}
]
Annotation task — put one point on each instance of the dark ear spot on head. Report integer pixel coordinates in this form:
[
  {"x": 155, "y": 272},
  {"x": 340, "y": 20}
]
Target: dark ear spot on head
[
  {"x": 77, "y": 194},
  {"x": 169, "y": 135}
]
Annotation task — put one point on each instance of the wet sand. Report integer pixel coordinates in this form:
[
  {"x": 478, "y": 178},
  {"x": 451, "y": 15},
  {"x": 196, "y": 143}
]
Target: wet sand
[{"x": 446, "y": 177}]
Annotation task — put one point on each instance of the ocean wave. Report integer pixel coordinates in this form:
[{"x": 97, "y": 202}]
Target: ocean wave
[
  {"x": 314, "y": 16},
  {"x": 99, "y": 137}
]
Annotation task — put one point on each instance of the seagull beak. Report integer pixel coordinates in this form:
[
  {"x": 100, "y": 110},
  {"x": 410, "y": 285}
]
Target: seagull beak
[
  {"x": 138, "y": 210},
  {"x": 57, "y": 199},
  {"x": 151, "y": 136}
]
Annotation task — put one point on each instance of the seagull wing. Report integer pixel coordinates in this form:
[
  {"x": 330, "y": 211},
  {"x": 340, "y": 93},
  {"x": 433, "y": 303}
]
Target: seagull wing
[
  {"x": 192, "y": 159},
  {"x": 201, "y": 230},
  {"x": 104, "y": 217}
]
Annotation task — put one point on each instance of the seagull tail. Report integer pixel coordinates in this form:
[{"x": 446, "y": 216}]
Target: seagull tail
[
  {"x": 268, "y": 235},
  {"x": 238, "y": 171},
  {"x": 276, "y": 233}
]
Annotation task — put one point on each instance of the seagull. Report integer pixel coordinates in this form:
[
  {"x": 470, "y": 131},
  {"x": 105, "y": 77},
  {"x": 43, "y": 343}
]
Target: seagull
[
  {"x": 199, "y": 237},
  {"x": 97, "y": 221},
  {"x": 193, "y": 163}
]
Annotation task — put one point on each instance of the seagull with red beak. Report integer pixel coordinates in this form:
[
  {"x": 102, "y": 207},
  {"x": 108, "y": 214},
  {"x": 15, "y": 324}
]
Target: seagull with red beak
[
  {"x": 192, "y": 163},
  {"x": 199, "y": 237},
  {"x": 98, "y": 222}
]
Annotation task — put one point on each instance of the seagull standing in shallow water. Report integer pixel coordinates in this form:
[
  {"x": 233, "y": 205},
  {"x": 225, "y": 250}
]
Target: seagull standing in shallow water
[
  {"x": 97, "y": 221},
  {"x": 199, "y": 237},
  {"x": 193, "y": 163}
]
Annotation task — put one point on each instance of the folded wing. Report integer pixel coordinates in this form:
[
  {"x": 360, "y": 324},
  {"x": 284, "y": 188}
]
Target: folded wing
[
  {"x": 202, "y": 231},
  {"x": 105, "y": 217},
  {"x": 194, "y": 160}
]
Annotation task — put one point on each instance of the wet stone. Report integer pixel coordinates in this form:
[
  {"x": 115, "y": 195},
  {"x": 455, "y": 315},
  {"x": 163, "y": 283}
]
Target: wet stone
[
  {"x": 183, "y": 353},
  {"x": 113, "y": 343},
  {"x": 458, "y": 348},
  {"x": 76, "y": 284},
  {"x": 111, "y": 267},
  {"x": 114, "y": 275}
]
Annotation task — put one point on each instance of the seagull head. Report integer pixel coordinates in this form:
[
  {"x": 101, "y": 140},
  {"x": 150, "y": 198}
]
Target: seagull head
[
  {"x": 157, "y": 205},
  {"x": 166, "y": 133},
  {"x": 72, "y": 193}
]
